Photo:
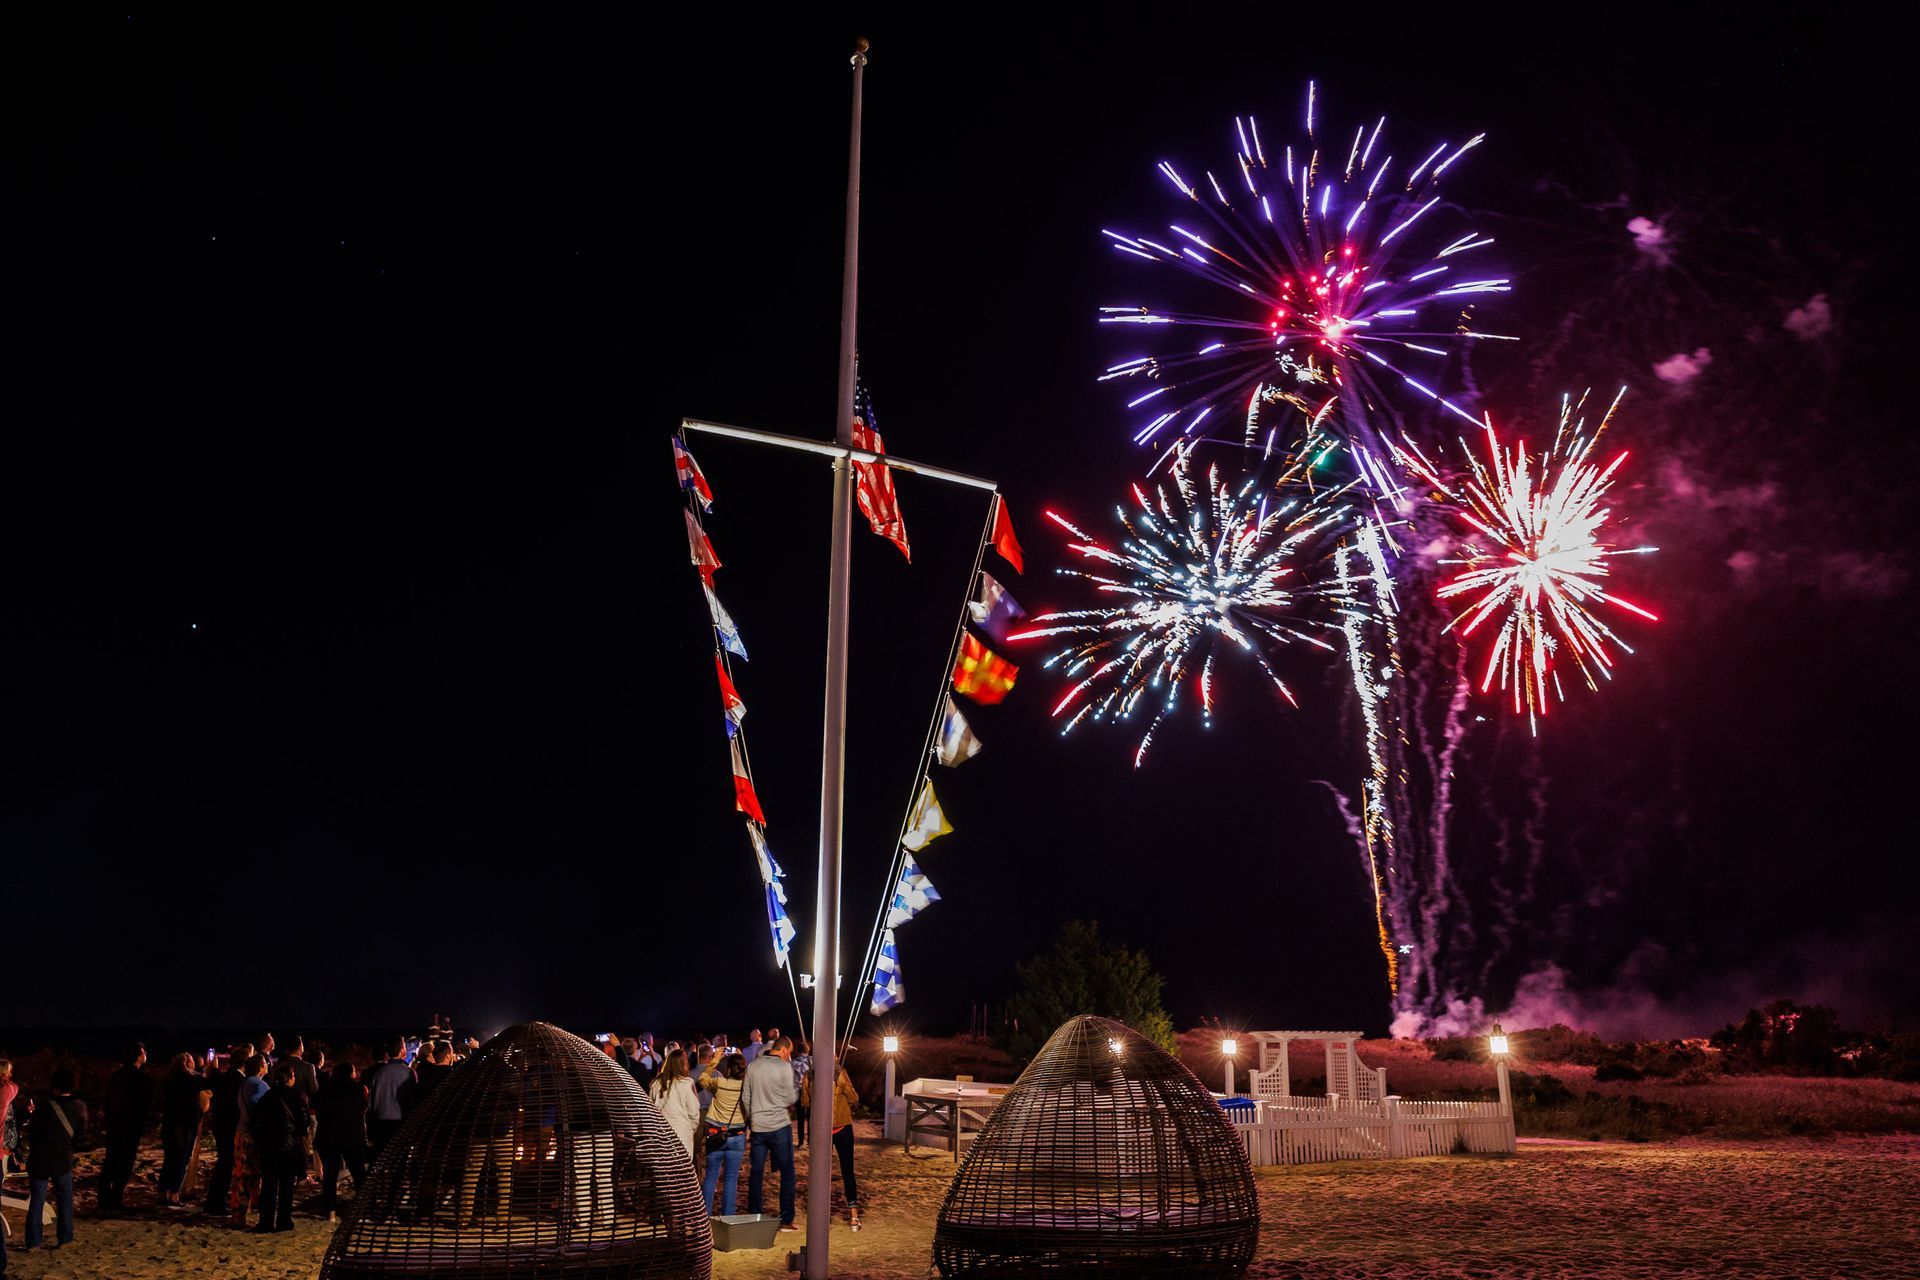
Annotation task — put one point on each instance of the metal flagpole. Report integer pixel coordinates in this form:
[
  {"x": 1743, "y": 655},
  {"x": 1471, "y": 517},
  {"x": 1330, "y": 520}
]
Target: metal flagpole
[{"x": 826, "y": 937}]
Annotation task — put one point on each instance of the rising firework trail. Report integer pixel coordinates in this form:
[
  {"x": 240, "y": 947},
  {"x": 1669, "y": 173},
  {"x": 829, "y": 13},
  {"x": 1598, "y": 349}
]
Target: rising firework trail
[
  {"x": 1224, "y": 563},
  {"x": 1332, "y": 273},
  {"x": 1535, "y": 562}
]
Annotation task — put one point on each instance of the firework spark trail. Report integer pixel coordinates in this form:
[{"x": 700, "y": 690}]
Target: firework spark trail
[
  {"x": 1377, "y": 829},
  {"x": 1223, "y": 561},
  {"x": 1537, "y": 562},
  {"x": 1421, "y": 755},
  {"x": 1335, "y": 281}
]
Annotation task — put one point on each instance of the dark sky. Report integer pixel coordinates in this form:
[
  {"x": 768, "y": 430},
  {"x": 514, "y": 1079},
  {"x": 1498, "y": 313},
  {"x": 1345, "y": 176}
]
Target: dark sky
[{"x": 353, "y": 668}]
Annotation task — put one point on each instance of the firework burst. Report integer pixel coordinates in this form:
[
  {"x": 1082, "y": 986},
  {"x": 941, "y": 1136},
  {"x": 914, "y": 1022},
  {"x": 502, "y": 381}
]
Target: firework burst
[
  {"x": 1535, "y": 558},
  {"x": 1203, "y": 561},
  {"x": 1336, "y": 283}
]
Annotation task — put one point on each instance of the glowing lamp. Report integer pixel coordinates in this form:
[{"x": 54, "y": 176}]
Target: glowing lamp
[
  {"x": 890, "y": 1044},
  {"x": 1497, "y": 1042},
  {"x": 1114, "y": 1045},
  {"x": 1230, "y": 1047}
]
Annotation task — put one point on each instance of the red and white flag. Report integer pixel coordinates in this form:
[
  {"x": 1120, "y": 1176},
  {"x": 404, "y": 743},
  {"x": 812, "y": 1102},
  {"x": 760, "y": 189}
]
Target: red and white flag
[
  {"x": 1003, "y": 540},
  {"x": 873, "y": 488},
  {"x": 744, "y": 798},
  {"x": 690, "y": 477},
  {"x": 729, "y": 698},
  {"x": 705, "y": 558}
]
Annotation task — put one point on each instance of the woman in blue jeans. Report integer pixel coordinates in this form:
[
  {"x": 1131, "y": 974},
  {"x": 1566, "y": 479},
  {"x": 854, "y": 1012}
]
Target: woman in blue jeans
[
  {"x": 726, "y": 1119},
  {"x": 59, "y": 1122}
]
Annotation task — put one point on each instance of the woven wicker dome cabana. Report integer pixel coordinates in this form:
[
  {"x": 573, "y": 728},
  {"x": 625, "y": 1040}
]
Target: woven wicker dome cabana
[
  {"x": 538, "y": 1156},
  {"x": 1107, "y": 1155}
]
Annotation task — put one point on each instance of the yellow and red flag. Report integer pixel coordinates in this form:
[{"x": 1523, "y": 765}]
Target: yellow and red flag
[{"x": 981, "y": 674}]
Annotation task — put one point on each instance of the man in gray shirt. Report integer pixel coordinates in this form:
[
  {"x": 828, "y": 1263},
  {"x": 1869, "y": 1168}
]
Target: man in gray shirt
[{"x": 768, "y": 1096}]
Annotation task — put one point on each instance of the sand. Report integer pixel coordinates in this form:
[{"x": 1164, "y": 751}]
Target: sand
[{"x": 1612, "y": 1211}]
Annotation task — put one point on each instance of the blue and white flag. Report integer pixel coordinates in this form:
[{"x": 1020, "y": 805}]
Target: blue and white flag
[
  {"x": 723, "y": 623},
  {"x": 912, "y": 894},
  {"x": 783, "y": 930},
  {"x": 956, "y": 741},
  {"x": 770, "y": 873},
  {"x": 994, "y": 611},
  {"x": 888, "y": 991}
]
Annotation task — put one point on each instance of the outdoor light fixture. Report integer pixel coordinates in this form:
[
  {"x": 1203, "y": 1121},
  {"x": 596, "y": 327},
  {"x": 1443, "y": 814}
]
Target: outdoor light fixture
[
  {"x": 1497, "y": 1042},
  {"x": 1114, "y": 1045},
  {"x": 1229, "y": 1046},
  {"x": 890, "y": 1044}
]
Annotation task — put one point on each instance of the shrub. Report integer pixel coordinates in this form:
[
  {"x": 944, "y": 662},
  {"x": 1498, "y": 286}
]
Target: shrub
[{"x": 1082, "y": 974}]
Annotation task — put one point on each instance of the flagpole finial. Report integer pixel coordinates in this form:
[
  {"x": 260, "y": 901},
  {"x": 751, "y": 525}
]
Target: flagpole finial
[{"x": 860, "y": 47}]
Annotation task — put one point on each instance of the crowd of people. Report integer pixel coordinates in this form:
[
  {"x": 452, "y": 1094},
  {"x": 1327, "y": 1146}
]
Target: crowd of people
[
  {"x": 280, "y": 1116},
  {"x": 731, "y": 1105}
]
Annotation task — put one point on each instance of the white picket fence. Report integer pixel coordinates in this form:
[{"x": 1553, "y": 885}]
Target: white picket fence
[{"x": 1301, "y": 1130}]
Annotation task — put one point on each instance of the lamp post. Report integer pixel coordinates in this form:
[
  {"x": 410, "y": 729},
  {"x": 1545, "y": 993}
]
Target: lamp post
[
  {"x": 1498, "y": 1048},
  {"x": 889, "y": 1045},
  {"x": 1228, "y": 1048}
]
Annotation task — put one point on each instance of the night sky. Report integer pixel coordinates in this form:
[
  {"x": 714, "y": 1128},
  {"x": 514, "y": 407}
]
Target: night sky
[{"x": 353, "y": 668}]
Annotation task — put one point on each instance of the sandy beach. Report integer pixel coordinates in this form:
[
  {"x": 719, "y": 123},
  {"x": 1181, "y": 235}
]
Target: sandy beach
[{"x": 1792, "y": 1207}]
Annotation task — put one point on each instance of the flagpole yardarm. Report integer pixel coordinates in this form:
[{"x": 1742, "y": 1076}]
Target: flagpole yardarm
[{"x": 804, "y": 445}]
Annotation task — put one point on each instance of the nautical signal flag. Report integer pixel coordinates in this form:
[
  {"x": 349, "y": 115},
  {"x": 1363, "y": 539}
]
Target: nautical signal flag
[
  {"x": 723, "y": 623},
  {"x": 926, "y": 823},
  {"x": 781, "y": 927},
  {"x": 912, "y": 894},
  {"x": 770, "y": 873},
  {"x": 705, "y": 558},
  {"x": 1003, "y": 540},
  {"x": 744, "y": 798},
  {"x": 873, "y": 488},
  {"x": 690, "y": 477},
  {"x": 888, "y": 991},
  {"x": 956, "y": 741},
  {"x": 729, "y": 698},
  {"x": 981, "y": 674},
  {"x": 994, "y": 610}
]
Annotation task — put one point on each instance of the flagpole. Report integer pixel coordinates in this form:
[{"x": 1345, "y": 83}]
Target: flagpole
[{"x": 826, "y": 938}]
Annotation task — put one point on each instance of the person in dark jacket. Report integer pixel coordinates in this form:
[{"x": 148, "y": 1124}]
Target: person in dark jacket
[
  {"x": 342, "y": 1135},
  {"x": 129, "y": 1099},
  {"x": 183, "y": 1100},
  {"x": 280, "y": 1140},
  {"x": 431, "y": 1070},
  {"x": 59, "y": 1124},
  {"x": 305, "y": 1078},
  {"x": 223, "y": 1118}
]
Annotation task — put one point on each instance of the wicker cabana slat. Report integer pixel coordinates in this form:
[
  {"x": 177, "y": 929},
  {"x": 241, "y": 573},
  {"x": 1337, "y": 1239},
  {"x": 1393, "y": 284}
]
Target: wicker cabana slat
[
  {"x": 1107, "y": 1155},
  {"x": 538, "y": 1156}
]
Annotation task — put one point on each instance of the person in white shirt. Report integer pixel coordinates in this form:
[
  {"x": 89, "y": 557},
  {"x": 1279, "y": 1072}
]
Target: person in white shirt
[{"x": 672, "y": 1091}]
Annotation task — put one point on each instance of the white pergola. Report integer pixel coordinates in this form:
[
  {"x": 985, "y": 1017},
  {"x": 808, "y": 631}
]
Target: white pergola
[{"x": 1347, "y": 1076}]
